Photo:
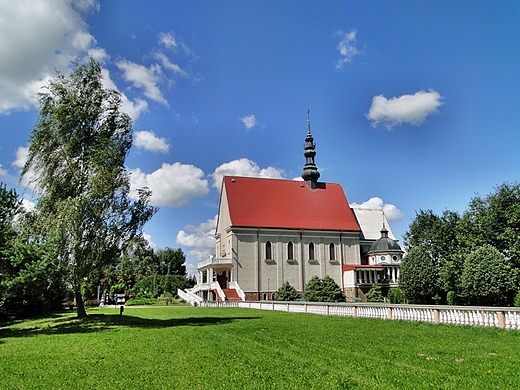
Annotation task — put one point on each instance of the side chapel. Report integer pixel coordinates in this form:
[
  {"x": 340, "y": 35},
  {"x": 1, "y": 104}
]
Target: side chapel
[{"x": 270, "y": 231}]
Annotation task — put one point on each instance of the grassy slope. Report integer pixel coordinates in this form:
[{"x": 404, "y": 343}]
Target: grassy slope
[{"x": 204, "y": 348}]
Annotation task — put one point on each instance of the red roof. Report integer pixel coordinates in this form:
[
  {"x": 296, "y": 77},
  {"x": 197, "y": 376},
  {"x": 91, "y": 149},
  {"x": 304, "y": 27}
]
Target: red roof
[{"x": 287, "y": 204}]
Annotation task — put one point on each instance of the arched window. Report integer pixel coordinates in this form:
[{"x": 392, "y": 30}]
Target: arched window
[
  {"x": 311, "y": 251},
  {"x": 290, "y": 251},
  {"x": 268, "y": 251},
  {"x": 332, "y": 252}
]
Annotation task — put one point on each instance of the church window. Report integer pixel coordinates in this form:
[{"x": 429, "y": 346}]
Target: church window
[
  {"x": 332, "y": 252},
  {"x": 268, "y": 251},
  {"x": 311, "y": 251},
  {"x": 290, "y": 251}
]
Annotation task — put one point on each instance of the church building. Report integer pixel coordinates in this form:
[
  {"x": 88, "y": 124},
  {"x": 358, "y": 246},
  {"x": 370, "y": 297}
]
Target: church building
[{"x": 271, "y": 231}]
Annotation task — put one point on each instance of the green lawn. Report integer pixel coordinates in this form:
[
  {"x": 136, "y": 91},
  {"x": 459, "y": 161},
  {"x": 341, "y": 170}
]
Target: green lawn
[{"x": 226, "y": 348}]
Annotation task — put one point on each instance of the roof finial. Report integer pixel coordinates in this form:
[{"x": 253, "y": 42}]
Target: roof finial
[
  {"x": 308, "y": 121},
  {"x": 310, "y": 171},
  {"x": 384, "y": 231}
]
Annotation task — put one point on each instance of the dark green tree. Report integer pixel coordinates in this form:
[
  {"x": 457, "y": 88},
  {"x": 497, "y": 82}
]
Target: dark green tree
[
  {"x": 419, "y": 275},
  {"x": 441, "y": 237},
  {"x": 374, "y": 294},
  {"x": 155, "y": 285},
  {"x": 170, "y": 261},
  {"x": 10, "y": 208},
  {"x": 30, "y": 282},
  {"x": 76, "y": 159},
  {"x": 495, "y": 220},
  {"x": 395, "y": 295},
  {"x": 488, "y": 277},
  {"x": 286, "y": 292},
  {"x": 322, "y": 290}
]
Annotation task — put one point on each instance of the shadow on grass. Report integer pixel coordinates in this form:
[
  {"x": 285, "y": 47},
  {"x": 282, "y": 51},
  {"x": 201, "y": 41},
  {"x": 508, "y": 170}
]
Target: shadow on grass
[{"x": 111, "y": 322}]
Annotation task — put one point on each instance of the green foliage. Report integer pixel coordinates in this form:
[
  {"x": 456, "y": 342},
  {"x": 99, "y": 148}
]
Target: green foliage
[
  {"x": 323, "y": 290},
  {"x": 30, "y": 281},
  {"x": 33, "y": 283},
  {"x": 495, "y": 220},
  {"x": 170, "y": 261},
  {"x": 141, "y": 302},
  {"x": 440, "y": 236},
  {"x": 395, "y": 295},
  {"x": 117, "y": 289},
  {"x": 286, "y": 292},
  {"x": 488, "y": 277},
  {"x": 451, "y": 298},
  {"x": 10, "y": 208},
  {"x": 516, "y": 302},
  {"x": 374, "y": 294},
  {"x": 76, "y": 159},
  {"x": 419, "y": 275},
  {"x": 155, "y": 285}
]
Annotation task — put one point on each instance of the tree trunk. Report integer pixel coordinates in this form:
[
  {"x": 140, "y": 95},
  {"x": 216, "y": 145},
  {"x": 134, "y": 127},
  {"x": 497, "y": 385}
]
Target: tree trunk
[{"x": 80, "y": 306}]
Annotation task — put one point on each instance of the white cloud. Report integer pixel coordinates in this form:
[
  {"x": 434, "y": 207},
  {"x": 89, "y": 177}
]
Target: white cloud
[
  {"x": 168, "y": 40},
  {"x": 148, "y": 238},
  {"x": 411, "y": 109},
  {"x": 145, "y": 78},
  {"x": 3, "y": 172},
  {"x": 200, "y": 242},
  {"x": 347, "y": 48},
  {"x": 249, "y": 121},
  {"x": 28, "y": 205},
  {"x": 149, "y": 141},
  {"x": 243, "y": 167},
  {"x": 35, "y": 39},
  {"x": 170, "y": 65},
  {"x": 99, "y": 54},
  {"x": 172, "y": 184},
  {"x": 21, "y": 156},
  {"x": 392, "y": 213},
  {"x": 132, "y": 108},
  {"x": 86, "y": 5}
]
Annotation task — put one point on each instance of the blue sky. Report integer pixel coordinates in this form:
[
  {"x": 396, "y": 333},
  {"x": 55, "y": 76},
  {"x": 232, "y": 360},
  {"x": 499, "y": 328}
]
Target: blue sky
[{"x": 414, "y": 104}]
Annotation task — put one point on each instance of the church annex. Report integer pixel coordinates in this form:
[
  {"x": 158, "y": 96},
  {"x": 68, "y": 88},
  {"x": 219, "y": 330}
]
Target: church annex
[{"x": 270, "y": 231}]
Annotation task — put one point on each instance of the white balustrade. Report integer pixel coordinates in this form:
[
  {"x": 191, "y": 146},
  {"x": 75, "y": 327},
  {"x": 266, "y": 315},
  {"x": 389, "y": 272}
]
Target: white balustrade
[{"x": 508, "y": 318}]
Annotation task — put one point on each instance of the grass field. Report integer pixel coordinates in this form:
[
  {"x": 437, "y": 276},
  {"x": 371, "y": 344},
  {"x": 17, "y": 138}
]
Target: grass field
[{"x": 227, "y": 348}]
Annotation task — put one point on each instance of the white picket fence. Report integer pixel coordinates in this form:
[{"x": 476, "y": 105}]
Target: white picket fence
[{"x": 499, "y": 317}]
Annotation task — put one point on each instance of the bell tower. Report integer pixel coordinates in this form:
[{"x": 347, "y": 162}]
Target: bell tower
[{"x": 310, "y": 171}]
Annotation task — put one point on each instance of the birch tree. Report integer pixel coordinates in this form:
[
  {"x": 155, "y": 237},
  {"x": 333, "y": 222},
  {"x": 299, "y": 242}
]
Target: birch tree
[{"x": 75, "y": 160}]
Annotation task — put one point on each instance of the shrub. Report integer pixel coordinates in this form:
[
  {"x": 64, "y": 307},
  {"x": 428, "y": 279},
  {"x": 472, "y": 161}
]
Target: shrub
[
  {"x": 374, "y": 294},
  {"x": 286, "y": 292},
  {"x": 451, "y": 298},
  {"x": 517, "y": 299},
  {"x": 488, "y": 277},
  {"x": 140, "y": 302},
  {"x": 395, "y": 295},
  {"x": 323, "y": 290}
]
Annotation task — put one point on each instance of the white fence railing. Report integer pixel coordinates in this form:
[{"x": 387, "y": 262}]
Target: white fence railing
[{"x": 499, "y": 317}]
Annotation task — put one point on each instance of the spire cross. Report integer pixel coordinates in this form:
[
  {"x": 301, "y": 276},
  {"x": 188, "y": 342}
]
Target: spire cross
[{"x": 309, "y": 121}]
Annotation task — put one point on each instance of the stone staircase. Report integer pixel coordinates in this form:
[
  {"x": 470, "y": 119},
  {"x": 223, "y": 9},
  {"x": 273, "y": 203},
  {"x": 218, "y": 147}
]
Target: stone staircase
[{"x": 231, "y": 294}]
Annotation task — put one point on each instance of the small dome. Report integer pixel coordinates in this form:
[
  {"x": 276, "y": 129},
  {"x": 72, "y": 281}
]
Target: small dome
[{"x": 384, "y": 244}]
